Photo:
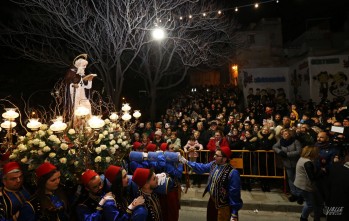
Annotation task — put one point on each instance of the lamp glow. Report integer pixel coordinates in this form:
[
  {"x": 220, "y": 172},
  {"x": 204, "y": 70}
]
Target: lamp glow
[
  {"x": 137, "y": 114},
  {"x": 96, "y": 122},
  {"x": 81, "y": 111},
  {"x": 8, "y": 124},
  {"x": 126, "y": 116},
  {"x": 33, "y": 124},
  {"x": 158, "y": 34},
  {"x": 126, "y": 107},
  {"x": 114, "y": 116},
  {"x": 58, "y": 125},
  {"x": 10, "y": 114}
]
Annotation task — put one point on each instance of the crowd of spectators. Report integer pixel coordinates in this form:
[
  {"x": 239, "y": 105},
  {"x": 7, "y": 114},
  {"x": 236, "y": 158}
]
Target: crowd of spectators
[{"x": 218, "y": 116}]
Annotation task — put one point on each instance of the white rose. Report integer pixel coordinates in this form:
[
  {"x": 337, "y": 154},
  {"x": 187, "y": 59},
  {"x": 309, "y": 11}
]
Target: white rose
[
  {"x": 128, "y": 146},
  {"x": 98, "y": 141},
  {"x": 98, "y": 150},
  {"x": 100, "y": 136},
  {"x": 21, "y": 138},
  {"x": 107, "y": 121},
  {"x": 13, "y": 156},
  {"x": 52, "y": 137},
  {"x": 112, "y": 150},
  {"x": 49, "y": 132},
  {"x": 107, "y": 159},
  {"x": 41, "y": 133},
  {"x": 103, "y": 147},
  {"x": 116, "y": 146},
  {"x": 42, "y": 144},
  {"x": 30, "y": 143},
  {"x": 124, "y": 143},
  {"x": 112, "y": 142},
  {"x": 36, "y": 141},
  {"x": 113, "y": 125},
  {"x": 22, "y": 147},
  {"x": 64, "y": 146},
  {"x": 124, "y": 137},
  {"x": 76, "y": 163},
  {"x": 98, "y": 159},
  {"x": 15, "y": 151},
  {"x": 63, "y": 160},
  {"x": 71, "y": 151},
  {"x": 122, "y": 134},
  {"x": 119, "y": 141},
  {"x": 40, "y": 153},
  {"x": 24, "y": 160},
  {"x": 28, "y": 134},
  {"x": 46, "y": 149},
  {"x": 52, "y": 155},
  {"x": 43, "y": 127},
  {"x": 71, "y": 131},
  {"x": 57, "y": 141},
  {"x": 33, "y": 151},
  {"x": 105, "y": 133},
  {"x": 111, "y": 136}
]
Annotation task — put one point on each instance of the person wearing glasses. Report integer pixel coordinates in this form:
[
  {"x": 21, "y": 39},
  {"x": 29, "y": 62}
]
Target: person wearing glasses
[{"x": 223, "y": 185}]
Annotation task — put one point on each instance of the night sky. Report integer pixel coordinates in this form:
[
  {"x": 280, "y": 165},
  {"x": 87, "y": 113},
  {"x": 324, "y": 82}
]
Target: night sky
[{"x": 20, "y": 76}]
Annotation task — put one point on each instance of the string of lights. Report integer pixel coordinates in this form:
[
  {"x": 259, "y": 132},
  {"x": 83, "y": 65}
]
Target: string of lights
[{"x": 221, "y": 11}]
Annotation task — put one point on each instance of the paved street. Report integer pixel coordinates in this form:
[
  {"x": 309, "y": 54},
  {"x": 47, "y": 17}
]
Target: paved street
[{"x": 199, "y": 214}]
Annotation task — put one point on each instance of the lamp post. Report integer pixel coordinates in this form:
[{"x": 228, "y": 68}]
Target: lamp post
[{"x": 10, "y": 115}]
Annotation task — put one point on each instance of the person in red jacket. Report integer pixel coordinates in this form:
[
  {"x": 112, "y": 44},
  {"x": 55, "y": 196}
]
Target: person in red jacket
[{"x": 215, "y": 143}]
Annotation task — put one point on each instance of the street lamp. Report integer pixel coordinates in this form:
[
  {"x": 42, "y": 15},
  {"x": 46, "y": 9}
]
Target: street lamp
[{"x": 158, "y": 34}]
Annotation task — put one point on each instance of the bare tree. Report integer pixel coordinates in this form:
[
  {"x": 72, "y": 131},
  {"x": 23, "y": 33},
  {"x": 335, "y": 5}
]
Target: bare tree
[
  {"x": 110, "y": 32},
  {"x": 208, "y": 39}
]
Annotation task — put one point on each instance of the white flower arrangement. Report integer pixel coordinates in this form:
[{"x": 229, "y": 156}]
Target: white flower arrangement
[{"x": 72, "y": 151}]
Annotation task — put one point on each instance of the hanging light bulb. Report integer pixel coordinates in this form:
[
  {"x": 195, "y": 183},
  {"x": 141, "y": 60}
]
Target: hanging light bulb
[
  {"x": 256, "y": 5},
  {"x": 236, "y": 9},
  {"x": 204, "y": 14},
  {"x": 219, "y": 12},
  {"x": 190, "y": 16}
]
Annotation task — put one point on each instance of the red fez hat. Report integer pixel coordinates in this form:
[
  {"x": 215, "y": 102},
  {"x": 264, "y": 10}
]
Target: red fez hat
[
  {"x": 44, "y": 168},
  {"x": 111, "y": 172},
  {"x": 163, "y": 146},
  {"x": 11, "y": 166},
  {"x": 140, "y": 176},
  {"x": 151, "y": 147},
  {"x": 87, "y": 176},
  {"x": 5, "y": 156},
  {"x": 226, "y": 150},
  {"x": 137, "y": 145}
]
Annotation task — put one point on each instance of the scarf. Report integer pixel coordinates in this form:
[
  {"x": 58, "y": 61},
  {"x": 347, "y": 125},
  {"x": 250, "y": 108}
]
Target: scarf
[{"x": 286, "y": 143}]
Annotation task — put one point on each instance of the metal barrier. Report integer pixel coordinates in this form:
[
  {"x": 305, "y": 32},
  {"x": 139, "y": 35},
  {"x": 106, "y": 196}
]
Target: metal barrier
[{"x": 251, "y": 164}]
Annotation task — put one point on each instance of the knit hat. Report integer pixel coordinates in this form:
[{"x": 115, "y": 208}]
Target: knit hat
[
  {"x": 226, "y": 150},
  {"x": 111, "y": 172},
  {"x": 140, "y": 176},
  {"x": 163, "y": 146},
  {"x": 44, "y": 168},
  {"x": 151, "y": 147},
  {"x": 167, "y": 125},
  {"x": 11, "y": 167},
  {"x": 87, "y": 176}
]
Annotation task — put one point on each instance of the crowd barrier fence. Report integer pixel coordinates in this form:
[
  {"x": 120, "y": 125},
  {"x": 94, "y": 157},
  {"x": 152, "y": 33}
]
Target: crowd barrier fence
[{"x": 263, "y": 164}]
